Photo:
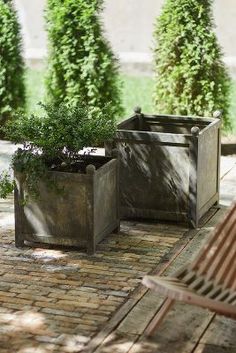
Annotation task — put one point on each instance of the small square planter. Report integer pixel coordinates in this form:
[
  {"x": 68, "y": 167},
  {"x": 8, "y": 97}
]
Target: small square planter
[
  {"x": 81, "y": 215},
  {"x": 169, "y": 166}
]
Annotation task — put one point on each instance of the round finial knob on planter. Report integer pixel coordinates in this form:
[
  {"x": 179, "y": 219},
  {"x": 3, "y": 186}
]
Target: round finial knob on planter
[
  {"x": 90, "y": 169},
  {"x": 137, "y": 110},
  {"x": 195, "y": 130},
  {"x": 217, "y": 114}
]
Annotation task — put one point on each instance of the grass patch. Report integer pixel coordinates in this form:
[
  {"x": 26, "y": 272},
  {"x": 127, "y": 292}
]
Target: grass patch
[
  {"x": 136, "y": 91},
  {"x": 35, "y": 92}
]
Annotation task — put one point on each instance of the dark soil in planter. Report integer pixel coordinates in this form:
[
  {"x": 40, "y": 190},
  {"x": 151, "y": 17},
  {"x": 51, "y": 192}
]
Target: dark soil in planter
[{"x": 78, "y": 166}]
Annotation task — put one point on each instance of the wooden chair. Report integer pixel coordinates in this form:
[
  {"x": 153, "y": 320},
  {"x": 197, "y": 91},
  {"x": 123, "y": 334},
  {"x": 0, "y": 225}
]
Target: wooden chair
[{"x": 208, "y": 281}]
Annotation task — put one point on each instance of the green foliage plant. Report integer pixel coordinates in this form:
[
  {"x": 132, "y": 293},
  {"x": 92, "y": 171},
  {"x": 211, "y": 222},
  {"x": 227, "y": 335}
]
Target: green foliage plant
[
  {"x": 81, "y": 63},
  {"x": 12, "y": 89},
  {"x": 52, "y": 141},
  {"x": 191, "y": 78},
  {"x": 6, "y": 184}
]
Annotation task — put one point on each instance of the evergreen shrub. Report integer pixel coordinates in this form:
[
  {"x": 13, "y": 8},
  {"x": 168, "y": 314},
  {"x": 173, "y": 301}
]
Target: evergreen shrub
[
  {"x": 12, "y": 89},
  {"x": 81, "y": 62},
  {"x": 191, "y": 78},
  {"x": 52, "y": 140}
]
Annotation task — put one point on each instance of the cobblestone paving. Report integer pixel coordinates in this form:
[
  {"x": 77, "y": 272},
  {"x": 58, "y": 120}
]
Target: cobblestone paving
[{"x": 55, "y": 300}]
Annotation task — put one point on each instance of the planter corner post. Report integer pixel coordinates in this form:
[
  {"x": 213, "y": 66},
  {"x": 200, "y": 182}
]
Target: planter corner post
[
  {"x": 90, "y": 171},
  {"x": 193, "y": 209}
]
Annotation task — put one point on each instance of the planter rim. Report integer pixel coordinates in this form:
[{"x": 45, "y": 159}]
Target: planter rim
[
  {"x": 206, "y": 122},
  {"x": 172, "y": 116},
  {"x": 108, "y": 161},
  {"x": 153, "y": 136}
]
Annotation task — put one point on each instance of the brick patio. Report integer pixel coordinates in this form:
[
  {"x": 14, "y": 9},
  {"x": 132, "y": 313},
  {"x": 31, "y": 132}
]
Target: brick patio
[
  {"x": 61, "y": 300},
  {"x": 56, "y": 299}
]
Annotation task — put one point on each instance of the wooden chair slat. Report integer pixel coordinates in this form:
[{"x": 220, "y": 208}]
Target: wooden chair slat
[
  {"x": 197, "y": 283},
  {"x": 225, "y": 293},
  {"x": 189, "y": 277},
  {"x": 209, "y": 280},
  {"x": 216, "y": 253},
  {"x": 230, "y": 279},
  {"x": 216, "y": 233},
  {"x": 206, "y": 288},
  {"x": 232, "y": 298},
  {"x": 181, "y": 272},
  {"x": 214, "y": 292},
  {"x": 176, "y": 292},
  {"x": 233, "y": 286},
  {"x": 228, "y": 264},
  {"x": 223, "y": 251}
]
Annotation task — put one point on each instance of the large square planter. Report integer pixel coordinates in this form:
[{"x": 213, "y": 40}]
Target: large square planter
[
  {"x": 169, "y": 166},
  {"x": 81, "y": 214}
]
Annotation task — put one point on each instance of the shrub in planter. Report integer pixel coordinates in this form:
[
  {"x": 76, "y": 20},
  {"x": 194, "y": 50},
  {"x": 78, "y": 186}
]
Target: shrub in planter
[
  {"x": 81, "y": 62},
  {"x": 191, "y": 78},
  {"x": 12, "y": 89},
  {"x": 58, "y": 191}
]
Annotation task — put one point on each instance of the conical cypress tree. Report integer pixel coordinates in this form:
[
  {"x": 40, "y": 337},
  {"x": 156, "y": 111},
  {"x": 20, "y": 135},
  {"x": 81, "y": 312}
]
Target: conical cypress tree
[
  {"x": 191, "y": 78},
  {"x": 81, "y": 65},
  {"x": 12, "y": 89}
]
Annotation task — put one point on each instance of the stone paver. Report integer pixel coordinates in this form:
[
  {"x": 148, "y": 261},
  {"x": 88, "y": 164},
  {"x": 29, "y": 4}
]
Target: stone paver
[{"x": 55, "y": 300}]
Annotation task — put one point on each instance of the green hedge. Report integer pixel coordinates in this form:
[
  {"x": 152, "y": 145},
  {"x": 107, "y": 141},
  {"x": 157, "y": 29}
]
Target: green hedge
[
  {"x": 81, "y": 65},
  {"x": 12, "y": 89},
  {"x": 191, "y": 78}
]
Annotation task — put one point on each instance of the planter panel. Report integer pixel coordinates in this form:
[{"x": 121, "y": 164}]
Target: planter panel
[
  {"x": 208, "y": 166},
  {"x": 143, "y": 181},
  {"x": 106, "y": 213},
  {"x": 169, "y": 166},
  {"x": 68, "y": 217}
]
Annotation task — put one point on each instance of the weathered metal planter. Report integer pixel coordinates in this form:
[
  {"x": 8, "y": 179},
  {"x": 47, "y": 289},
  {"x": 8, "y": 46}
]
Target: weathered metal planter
[
  {"x": 169, "y": 166},
  {"x": 82, "y": 215}
]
